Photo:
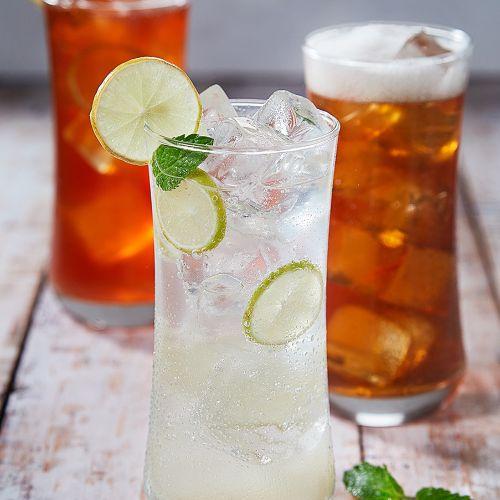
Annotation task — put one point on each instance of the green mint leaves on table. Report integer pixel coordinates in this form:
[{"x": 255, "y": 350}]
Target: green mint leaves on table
[
  {"x": 439, "y": 494},
  {"x": 171, "y": 165},
  {"x": 371, "y": 482}
]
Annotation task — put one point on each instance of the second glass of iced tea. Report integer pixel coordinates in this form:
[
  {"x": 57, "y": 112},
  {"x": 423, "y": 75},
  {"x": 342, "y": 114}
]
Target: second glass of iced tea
[
  {"x": 102, "y": 252},
  {"x": 394, "y": 338}
]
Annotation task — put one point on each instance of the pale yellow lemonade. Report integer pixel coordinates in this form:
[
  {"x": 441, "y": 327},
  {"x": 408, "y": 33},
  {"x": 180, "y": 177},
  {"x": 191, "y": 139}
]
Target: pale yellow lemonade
[{"x": 239, "y": 404}]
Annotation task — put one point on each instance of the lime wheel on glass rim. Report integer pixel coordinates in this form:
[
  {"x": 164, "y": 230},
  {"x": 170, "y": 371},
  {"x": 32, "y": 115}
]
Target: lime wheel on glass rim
[{"x": 143, "y": 90}]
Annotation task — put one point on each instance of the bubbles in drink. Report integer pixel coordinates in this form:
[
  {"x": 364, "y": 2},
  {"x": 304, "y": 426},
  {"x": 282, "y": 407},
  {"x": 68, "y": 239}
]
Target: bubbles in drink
[{"x": 256, "y": 412}]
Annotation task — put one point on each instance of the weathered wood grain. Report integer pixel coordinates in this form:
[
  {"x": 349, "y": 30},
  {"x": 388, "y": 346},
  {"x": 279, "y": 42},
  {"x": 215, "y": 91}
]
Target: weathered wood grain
[
  {"x": 346, "y": 440},
  {"x": 25, "y": 193},
  {"x": 76, "y": 422},
  {"x": 481, "y": 170},
  {"x": 459, "y": 447}
]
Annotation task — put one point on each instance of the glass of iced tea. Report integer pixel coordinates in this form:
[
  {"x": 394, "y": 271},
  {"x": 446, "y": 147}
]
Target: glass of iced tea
[
  {"x": 102, "y": 252},
  {"x": 395, "y": 347}
]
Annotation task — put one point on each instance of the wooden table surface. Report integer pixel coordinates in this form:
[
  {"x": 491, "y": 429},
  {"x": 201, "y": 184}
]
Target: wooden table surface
[{"x": 75, "y": 401}]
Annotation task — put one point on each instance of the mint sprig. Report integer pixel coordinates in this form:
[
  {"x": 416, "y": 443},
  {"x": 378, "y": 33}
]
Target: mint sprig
[
  {"x": 371, "y": 482},
  {"x": 171, "y": 165}
]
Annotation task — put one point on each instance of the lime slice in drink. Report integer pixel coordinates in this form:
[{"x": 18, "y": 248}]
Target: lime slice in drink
[
  {"x": 192, "y": 216},
  {"x": 285, "y": 304},
  {"x": 167, "y": 250},
  {"x": 143, "y": 90}
]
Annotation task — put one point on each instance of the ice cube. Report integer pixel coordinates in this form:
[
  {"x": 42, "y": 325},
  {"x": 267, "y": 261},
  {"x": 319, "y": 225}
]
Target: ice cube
[
  {"x": 81, "y": 137},
  {"x": 216, "y": 107},
  {"x": 370, "y": 121},
  {"x": 299, "y": 223},
  {"x": 219, "y": 292},
  {"x": 292, "y": 115},
  {"x": 421, "y": 45},
  {"x": 241, "y": 256},
  {"x": 384, "y": 198},
  {"x": 423, "y": 334},
  {"x": 245, "y": 133},
  {"x": 424, "y": 281},
  {"x": 369, "y": 42},
  {"x": 296, "y": 168},
  {"x": 278, "y": 113},
  {"x": 192, "y": 270},
  {"x": 215, "y": 99},
  {"x": 282, "y": 182},
  {"x": 366, "y": 345},
  {"x": 378, "y": 347},
  {"x": 238, "y": 175},
  {"x": 359, "y": 259},
  {"x": 96, "y": 218}
]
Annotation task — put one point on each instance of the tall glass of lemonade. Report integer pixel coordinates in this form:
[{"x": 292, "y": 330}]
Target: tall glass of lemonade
[{"x": 241, "y": 204}]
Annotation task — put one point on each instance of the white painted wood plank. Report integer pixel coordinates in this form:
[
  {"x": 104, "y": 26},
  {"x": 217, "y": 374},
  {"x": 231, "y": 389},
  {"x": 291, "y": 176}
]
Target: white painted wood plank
[
  {"x": 25, "y": 195},
  {"x": 76, "y": 423},
  {"x": 345, "y": 436},
  {"x": 481, "y": 169}
]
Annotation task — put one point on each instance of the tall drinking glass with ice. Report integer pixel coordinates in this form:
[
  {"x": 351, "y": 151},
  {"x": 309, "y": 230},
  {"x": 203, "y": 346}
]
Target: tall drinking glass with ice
[
  {"x": 241, "y": 203},
  {"x": 394, "y": 340}
]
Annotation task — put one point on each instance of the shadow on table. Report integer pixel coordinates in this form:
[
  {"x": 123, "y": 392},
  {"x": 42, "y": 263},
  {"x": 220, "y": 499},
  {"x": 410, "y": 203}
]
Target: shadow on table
[{"x": 478, "y": 396}]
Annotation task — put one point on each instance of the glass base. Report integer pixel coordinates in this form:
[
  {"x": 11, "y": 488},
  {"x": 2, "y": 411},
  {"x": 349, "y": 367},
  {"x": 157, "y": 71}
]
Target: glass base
[
  {"x": 102, "y": 316},
  {"x": 388, "y": 412}
]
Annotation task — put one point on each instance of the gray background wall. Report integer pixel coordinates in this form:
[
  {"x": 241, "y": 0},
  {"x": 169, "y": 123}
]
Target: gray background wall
[{"x": 262, "y": 36}]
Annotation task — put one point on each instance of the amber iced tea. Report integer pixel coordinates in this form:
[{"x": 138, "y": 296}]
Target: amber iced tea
[
  {"x": 392, "y": 312},
  {"x": 392, "y": 309},
  {"x": 102, "y": 242}
]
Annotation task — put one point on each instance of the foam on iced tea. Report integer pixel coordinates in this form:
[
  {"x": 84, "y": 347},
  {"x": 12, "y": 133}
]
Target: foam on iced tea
[
  {"x": 384, "y": 63},
  {"x": 393, "y": 320}
]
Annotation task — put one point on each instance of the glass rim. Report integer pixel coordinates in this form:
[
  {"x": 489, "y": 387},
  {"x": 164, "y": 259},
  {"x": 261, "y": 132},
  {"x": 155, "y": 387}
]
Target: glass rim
[
  {"x": 333, "y": 123},
  {"x": 115, "y": 5},
  {"x": 463, "y": 51}
]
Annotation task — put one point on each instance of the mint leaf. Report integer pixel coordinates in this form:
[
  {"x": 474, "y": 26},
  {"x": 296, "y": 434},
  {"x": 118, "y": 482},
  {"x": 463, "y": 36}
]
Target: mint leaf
[
  {"x": 439, "y": 494},
  {"x": 171, "y": 165},
  {"x": 370, "y": 482}
]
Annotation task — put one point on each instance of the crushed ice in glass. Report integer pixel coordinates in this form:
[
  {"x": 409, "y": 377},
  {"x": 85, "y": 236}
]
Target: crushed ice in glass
[{"x": 263, "y": 182}]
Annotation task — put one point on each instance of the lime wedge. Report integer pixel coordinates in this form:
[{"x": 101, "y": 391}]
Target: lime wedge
[
  {"x": 192, "y": 217},
  {"x": 285, "y": 304},
  {"x": 143, "y": 90}
]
